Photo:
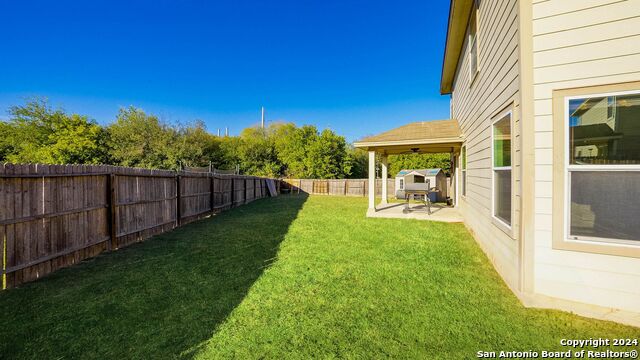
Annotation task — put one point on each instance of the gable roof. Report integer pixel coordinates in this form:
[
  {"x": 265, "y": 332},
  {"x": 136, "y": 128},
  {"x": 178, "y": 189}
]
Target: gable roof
[
  {"x": 459, "y": 12},
  {"x": 420, "y": 130},
  {"x": 423, "y": 172},
  {"x": 422, "y": 136}
]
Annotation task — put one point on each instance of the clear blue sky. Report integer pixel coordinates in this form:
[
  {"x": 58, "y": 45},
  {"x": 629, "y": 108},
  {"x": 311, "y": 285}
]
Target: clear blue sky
[{"x": 358, "y": 67}]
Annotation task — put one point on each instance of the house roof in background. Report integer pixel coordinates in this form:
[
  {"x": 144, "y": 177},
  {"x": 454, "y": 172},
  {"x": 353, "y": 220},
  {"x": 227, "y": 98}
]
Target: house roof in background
[
  {"x": 423, "y": 172},
  {"x": 459, "y": 12}
]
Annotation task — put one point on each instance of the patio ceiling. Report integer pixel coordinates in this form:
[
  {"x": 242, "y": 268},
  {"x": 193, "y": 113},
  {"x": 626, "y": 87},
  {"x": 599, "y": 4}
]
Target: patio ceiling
[{"x": 437, "y": 136}]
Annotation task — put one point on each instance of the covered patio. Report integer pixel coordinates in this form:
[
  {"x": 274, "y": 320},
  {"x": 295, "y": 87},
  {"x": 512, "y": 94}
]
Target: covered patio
[{"x": 423, "y": 137}]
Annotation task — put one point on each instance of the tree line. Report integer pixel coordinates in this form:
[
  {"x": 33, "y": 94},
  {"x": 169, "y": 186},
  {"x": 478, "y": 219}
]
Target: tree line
[{"x": 37, "y": 133}]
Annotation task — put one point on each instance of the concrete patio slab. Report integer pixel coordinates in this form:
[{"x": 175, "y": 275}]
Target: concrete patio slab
[{"x": 439, "y": 212}]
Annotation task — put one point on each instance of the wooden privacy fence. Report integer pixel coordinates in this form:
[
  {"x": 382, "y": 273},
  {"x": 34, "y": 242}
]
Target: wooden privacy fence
[
  {"x": 339, "y": 187},
  {"x": 52, "y": 216}
]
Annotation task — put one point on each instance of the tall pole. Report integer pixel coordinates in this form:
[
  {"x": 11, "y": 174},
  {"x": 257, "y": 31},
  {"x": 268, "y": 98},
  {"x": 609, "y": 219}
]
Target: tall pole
[{"x": 263, "y": 117}]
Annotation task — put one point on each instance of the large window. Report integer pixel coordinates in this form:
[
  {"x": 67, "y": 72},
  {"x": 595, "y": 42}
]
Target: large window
[
  {"x": 473, "y": 42},
  {"x": 463, "y": 168},
  {"x": 602, "y": 167},
  {"x": 501, "y": 158}
]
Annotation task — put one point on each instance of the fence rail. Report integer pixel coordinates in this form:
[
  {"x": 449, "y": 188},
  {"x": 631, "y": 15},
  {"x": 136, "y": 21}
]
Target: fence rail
[
  {"x": 53, "y": 216},
  {"x": 339, "y": 187}
]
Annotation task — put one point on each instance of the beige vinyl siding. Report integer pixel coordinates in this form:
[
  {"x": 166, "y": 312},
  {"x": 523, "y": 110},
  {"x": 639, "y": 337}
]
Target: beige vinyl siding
[
  {"x": 579, "y": 43},
  {"x": 474, "y": 105}
]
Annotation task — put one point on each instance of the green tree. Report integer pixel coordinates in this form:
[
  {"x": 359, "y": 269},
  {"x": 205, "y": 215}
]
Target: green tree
[
  {"x": 196, "y": 147},
  {"x": 292, "y": 144},
  {"x": 140, "y": 140},
  {"x": 36, "y": 133},
  {"x": 326, "y": 155},
  {"x": 356, "y": 163},
  {"x": 258, "y": 154},
  {"x": 5, "y": 140}
]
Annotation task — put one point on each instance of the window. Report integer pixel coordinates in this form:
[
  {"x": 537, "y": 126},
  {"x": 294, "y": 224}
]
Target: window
[
  {"x": 463, "y": 177},
  {"x": 501, "y": 159},
  {"x": 596, "y": 182},
  {"x": 473, "y": 43},
  {"x": 611, "y": 108},
  {"x": 401, "y": 184},
  {"x": 603, "y": 167}
]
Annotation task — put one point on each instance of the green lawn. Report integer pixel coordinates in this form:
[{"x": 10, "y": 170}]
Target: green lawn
[{"x": 290, "y": 277}]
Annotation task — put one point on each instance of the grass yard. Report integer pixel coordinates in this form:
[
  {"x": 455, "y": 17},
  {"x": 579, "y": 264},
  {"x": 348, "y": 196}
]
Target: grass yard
[{"x": 291, "y": 277}]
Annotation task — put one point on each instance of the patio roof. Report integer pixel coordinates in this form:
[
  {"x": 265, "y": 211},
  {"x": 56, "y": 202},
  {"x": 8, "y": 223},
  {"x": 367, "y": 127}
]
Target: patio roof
[{"x": 436, "y": 136}]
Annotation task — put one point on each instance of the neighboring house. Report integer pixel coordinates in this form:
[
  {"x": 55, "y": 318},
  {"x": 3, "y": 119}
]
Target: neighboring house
[
  {"x": 545, "y": 141},
  {"x": 435, "y": 177}
]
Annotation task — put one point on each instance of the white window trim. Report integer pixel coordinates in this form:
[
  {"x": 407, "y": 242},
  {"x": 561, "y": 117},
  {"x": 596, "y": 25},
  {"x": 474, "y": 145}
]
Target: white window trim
[
  {"x": 463, "y": 171},
  {"x": 567, "y": 168},
  {"x": 508, "y": 228},
  {"x": 475, "y": 11},
  {"x": 401, "y": 183}
]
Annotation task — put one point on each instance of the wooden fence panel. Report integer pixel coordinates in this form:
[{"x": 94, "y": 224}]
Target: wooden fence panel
[
  {"x": 48, "y": 222},
  {"x": 356, "y": 187},
  {"x": 195, "y": 197},
  {"x": 249, "y": 189},
  {"x": 306, "y": 185},
  {"x": 145, "y": 205},
  {"x": 339, "y": 187},
  {"x": 53, "y": 216},
  {"x": 222, "y": 192},
  {"x": 239, "y": 191}
]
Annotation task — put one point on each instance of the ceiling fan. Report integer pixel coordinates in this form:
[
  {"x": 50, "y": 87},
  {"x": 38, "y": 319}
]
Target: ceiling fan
[{"x": 414, "y": 150}]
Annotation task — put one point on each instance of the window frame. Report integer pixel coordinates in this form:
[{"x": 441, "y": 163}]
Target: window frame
[
  {"x": 401, "y": 184},
  {"x": 508, "y": 228},
  {"x": 561, "y": 219},
  {"x": 475, "y": 13}
]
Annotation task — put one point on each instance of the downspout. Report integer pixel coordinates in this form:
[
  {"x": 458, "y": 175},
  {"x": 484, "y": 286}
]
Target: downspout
[{"x": 527, "y": 168}]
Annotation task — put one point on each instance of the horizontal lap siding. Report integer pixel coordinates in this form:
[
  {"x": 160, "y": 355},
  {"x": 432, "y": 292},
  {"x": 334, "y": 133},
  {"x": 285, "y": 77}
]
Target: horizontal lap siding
[
  {"x": 579, "y": 43},
  {"x": 475, "y": 105}
]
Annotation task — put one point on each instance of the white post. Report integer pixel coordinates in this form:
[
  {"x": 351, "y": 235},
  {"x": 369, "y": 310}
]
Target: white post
[
  {"x": 372, "y": 180},
  {"x": 383, "y": 162}
]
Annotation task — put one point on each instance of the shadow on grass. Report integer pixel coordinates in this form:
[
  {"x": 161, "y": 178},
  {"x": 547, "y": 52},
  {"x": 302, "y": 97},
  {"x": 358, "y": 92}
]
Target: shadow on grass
[{"x": 157, "y": 299}]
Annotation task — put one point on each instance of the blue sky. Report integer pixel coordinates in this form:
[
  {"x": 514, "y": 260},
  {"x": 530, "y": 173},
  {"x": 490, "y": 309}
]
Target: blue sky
[{"x": 358, "y": 67}]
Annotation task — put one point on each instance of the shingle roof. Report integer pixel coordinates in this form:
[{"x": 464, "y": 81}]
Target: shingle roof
[{"x": 421, "y": 130}]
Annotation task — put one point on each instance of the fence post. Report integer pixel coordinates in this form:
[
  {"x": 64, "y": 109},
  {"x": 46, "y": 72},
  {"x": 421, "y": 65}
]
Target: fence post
[
  {"x": 178, "y": 200},
  {"x": 112, "y": 198},
  {"x": 245, "y": 190}
]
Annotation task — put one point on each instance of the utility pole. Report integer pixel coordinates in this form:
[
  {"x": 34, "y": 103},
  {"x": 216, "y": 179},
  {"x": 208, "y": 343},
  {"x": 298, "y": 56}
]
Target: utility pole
[{"x": 263, "y": 117}]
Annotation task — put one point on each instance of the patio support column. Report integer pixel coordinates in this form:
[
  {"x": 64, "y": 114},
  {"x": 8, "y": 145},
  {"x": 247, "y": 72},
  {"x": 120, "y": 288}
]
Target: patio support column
[
  {"x": 372, "y": 180},
  {"x": 383, "y": 162}
]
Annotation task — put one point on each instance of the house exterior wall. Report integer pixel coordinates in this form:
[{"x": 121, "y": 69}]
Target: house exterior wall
[
  {"x": 476, "y": 101},
  {"x": 579, "y": 43}
]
